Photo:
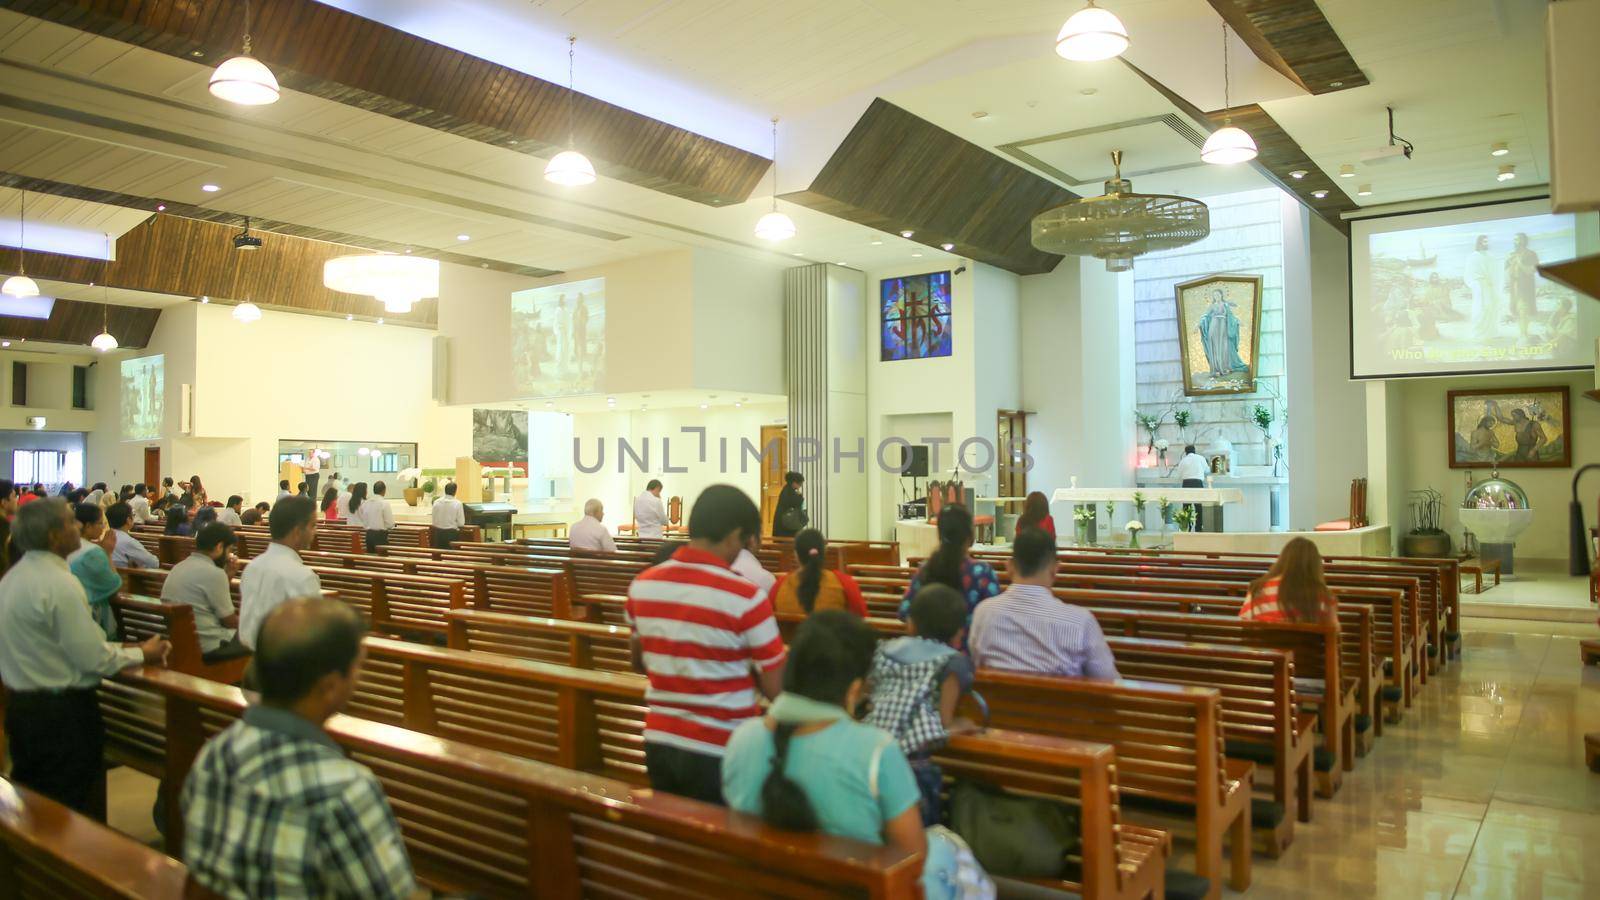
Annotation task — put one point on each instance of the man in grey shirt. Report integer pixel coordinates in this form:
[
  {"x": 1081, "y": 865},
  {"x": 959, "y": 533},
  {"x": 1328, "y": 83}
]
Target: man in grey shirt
[
  {"x": 128, "y": 552},
  {"x": 201, "y": 581},
  {"x": 52, "y": 657}
]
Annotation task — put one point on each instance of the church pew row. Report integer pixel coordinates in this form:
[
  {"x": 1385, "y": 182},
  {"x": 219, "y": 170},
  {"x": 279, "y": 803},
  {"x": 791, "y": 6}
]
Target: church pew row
[
  {"x": 144, "y": 617},
  {"x": 50, "y": 851},
  {"x": 1394, "y": 611},
  {"x": 1208, "y": 811},
  {"x": 484, "y": 822},
  {"x": 530, "y": 591}
]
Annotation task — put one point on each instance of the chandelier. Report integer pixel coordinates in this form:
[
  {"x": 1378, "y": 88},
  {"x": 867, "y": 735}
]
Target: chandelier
[
  {"x": 1119, "y": 225},
  {"x": 397, "y": 281}
]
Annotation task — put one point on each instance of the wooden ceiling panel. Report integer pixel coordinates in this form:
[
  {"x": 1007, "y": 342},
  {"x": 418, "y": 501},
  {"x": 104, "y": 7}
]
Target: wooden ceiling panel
[
  {"x": 329, "y": 53},
  {"x": 1294, "y": 37},
  {"x": 77, "y": 322},
  {"x": 896, "y": 171}
]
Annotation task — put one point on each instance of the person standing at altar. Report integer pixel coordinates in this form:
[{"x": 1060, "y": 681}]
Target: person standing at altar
[
  {"x": 1192, "y": 472},
  {"x": 311, "y": 467},
  {"x": 649, "y": 513}
]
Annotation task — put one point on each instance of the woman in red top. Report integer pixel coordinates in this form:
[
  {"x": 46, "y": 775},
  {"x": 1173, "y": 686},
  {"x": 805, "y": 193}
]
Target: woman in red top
[
  {"x": 1036, "y": 514},
  {"x": 330, "y": 505},
  {"x": 1293, "y": 590}
]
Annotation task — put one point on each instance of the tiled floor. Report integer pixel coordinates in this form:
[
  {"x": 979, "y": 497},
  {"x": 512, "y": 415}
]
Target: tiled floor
[
  {"x": 1543, "y": 595},
  {"x": 1480, "y": 792}
]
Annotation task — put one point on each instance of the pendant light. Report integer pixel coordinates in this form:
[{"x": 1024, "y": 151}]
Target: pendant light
[
  {"x": 775, "y": 226},
  {"x": 1092, "y": 34},
  {"x": 20, "y": 285},
  {"x": 569, "y": 167},
  {"x": 104, "y": 341},
  {"x": 244, "y": 79},
  {"x": 1227, "y": 145},
  {"x": 246, "y": 312}
]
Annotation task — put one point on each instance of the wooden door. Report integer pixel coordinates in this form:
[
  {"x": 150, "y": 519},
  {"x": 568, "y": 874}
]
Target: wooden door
[
  {"x": 773, "y": 467},
  {"x": 152, "y": 467},
  {"x": 1011, "y": 426}
]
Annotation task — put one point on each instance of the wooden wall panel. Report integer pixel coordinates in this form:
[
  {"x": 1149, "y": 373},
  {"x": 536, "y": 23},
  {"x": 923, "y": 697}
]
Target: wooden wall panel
[
  {"x": 77, "y": 322},
  {"x": 329, "y": 53},
  {"x": 173, "y": 255},
  {"x": 896, "y": 171},
  {"x": 1294, "y": 37}
]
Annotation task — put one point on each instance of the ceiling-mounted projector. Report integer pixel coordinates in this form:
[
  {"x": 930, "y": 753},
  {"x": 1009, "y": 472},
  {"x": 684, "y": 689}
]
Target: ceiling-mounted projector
[
  {"x": 1398, "y": 147},
  {"x": 244, "y": 240}
]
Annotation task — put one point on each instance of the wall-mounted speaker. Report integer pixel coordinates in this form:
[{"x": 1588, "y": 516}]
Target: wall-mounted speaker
[
  {"x": 441, "y": 369},
  {"x": 186, "y": 409}
]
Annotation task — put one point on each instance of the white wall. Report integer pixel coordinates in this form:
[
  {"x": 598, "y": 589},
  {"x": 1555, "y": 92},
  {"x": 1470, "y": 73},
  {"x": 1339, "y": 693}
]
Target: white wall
[
  {"x": 49, "y": 389},
  {"x": 738, "y": 324},
  {"x": 114, "y": 460},
  {"x": 848, "y": 301}
]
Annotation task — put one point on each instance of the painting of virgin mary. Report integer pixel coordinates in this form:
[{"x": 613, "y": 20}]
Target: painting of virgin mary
[{"x": 1219, "y": 328}]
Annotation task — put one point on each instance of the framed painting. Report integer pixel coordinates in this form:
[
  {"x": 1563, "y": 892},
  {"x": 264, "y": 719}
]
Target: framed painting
[
  {"x": 1219, "y": 333},
  {"x": 916, "y": 316},
  {"x": 1512, "y": 428}
]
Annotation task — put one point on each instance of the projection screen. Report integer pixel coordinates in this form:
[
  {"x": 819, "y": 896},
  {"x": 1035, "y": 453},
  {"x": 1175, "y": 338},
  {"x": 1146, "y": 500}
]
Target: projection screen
[
  {"x": 1457, "y": 292},
  {"x": 143, "y": 393},
  {"x": 558, "y": 339}
]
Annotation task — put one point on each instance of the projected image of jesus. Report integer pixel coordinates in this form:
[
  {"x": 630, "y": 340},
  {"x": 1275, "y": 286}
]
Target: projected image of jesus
[{"x": 558, "y": 339}]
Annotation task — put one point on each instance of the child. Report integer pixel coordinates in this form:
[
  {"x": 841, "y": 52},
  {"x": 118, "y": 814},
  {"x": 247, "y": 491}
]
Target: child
[{"x": 916, "y": 682}]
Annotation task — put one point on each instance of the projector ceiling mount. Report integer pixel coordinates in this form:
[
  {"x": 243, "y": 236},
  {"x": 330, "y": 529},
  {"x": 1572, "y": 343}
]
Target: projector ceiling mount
[{"x": 1397, "y": 148}]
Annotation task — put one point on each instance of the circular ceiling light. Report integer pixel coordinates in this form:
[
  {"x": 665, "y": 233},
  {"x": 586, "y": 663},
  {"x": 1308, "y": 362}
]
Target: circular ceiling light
[
  {"x": 1319, "y": 194},
  {"x": 104, "y": 342},
  {"x": 1228, "y": 145},
  {"x": 1092, "y": 34},
  {"x": 246, "y": 312},
  {"x": 775, "y": 226},
  {"x": 243, "y": 79},
  {"x": 1347, "y": 171},
  {"x": 1298, "y": 174},
  {"x": 569, "y": 168},
  {"x": 1506, "y": 173},
  {"x": 20, "y": 286},
  {"x": 1364, "y": 191},
  {"x": 398, "y": 282},
  {"x": 210, "y": 188},
  {"x": 1499, "y": 148},
  {"x": 947, "y": 246}
]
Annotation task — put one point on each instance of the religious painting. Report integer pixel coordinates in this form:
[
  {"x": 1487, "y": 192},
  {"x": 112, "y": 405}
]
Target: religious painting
[
  {"x": 500, "y": 436},
  {"x": 558, "y": 339},
  {"x": 916, "y": 316},
  {"x": 1511, "y": 428},
  {"x": 1219, "y": 333}
]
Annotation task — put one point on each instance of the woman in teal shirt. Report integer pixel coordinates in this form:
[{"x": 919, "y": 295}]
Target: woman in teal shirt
[
  {"x": 808, "y": 766},
  {"x": 93, "y": 567}
]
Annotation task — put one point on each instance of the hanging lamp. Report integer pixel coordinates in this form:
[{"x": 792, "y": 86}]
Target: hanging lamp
[
  {"x": 1227, "y": 145},
  {"x": 569, "y": 167},
  {"x": 246, "y": 312},
  {"x": 775, "y": 226},
  {"x": 20, "y": 285},
  {"x": 244, "y": 79},
  {"x": 1120, "y": 224},
  {"x": 104, "y": 341},
  {"x": 1092, "y": 34}
]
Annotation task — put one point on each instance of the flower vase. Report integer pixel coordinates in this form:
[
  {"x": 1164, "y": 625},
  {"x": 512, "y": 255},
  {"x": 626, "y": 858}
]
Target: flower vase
[
  {"x": 1277, "y": 460},
  {"x": 1133, "y": 539}
]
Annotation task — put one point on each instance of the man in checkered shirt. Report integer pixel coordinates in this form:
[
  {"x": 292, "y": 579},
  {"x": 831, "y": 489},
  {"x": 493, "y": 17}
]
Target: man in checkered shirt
[{"x": 272, "y": 807}]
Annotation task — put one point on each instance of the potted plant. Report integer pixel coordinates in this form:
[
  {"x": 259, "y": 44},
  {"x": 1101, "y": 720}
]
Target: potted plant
[
  {"x": 1426, "y": 538},
  {"x": 429, "y": 487},
  {"x": 1083, "y": 518},
  {"x": 408, "y": 478},
  {"x": 1184, "y": 517}
]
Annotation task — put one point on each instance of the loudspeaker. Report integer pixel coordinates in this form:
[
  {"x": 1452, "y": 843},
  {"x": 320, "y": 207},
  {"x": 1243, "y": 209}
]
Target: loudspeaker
[
  {"x": 186, "y": 409},
  {"x": 914, "y": 461},
  {"x": 441, "y": 369}
]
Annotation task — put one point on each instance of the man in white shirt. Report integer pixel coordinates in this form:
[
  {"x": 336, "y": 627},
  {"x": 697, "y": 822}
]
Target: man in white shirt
[
  {"x": 449, "y": 517},
  {"x": 229, "y": 515},
  {"x": 587, "y": 533},
  {"x": 311, "y": 467},
  {"x": 52, "y": 658},
  {"x": 341, "y": 504},
  {"x": 1192, "y": 472},
  {"x": 278, "y": 575},
  {"x": 128, "y": 552},
  {"x": 283, "y": 490},
  {"x": 649, "y": 513},
  {"x": 140, "y": 504},
  {"x": 376, "y": 516},
  {"x": 747, "y": 565}
]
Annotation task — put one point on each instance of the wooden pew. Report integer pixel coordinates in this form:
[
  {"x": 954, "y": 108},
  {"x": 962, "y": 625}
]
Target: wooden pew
[
  {"x": 585, "y": 645},
  {"x": 395, "y": 604},
  {"x": 515, "y": 589},
  {"x": 489, "y": 824},
  {"x": 144, "y": 617},
  {"x": 49, "y": 851},
  {"x": 602, "y": 585},
  {"x": 1169, "y": 752}
]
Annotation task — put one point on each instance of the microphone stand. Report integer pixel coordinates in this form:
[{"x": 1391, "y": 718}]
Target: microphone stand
[{"x": 1578, "y": 547}]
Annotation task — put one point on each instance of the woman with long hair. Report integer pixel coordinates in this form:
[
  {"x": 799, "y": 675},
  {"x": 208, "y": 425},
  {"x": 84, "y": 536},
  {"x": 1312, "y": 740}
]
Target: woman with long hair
[
  {"x": 1036, "y": 514},
  {"x": 198, "y": 491},
  {"x": 177, "y": 520},
  {"x": 330, "y": 504},
  {"x": 951, "y": 565},
  {"x": 1293, "y": 590},
  {"x": 358, "y": 496},
  {"x": 808, "y": 766},
  {"x": 812, "y": 587},
  {"x": 91, "y": 565}
]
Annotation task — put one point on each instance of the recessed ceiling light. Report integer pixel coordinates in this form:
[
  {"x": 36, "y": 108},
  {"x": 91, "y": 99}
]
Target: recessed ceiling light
[
  {"x": 549, "y": 404},
  {"x": 1319, "y": 194},
  {"x": 705, "y": 406},
  {"x": 5, "y": 343},
  {"x": 947, "y": 246},
  {"x": 877, "y": 243},
  {"x": 1499, "y": 148},
  {"x": 916, "y": 254},
  {"x": 1089, "y": 91},
  {"x": 1298, "y": 174},
  {"x": 197, "y": 54},
  {"x": 1506, "y": 173},
  {"x": 1347, "y": 171},
  {"x": 798, "y": 253},
  {"x": 1364, "y": 191},
  {"x": 907, "y": 233},
  {"x": 210, "y": 188},
  {"x": 980, "y": 115},
  {"x": 161, "y": 207},
  {"x": 611, "y": 399},
  {"x": 1335, "y": 84},
  {"x": 380, "y": 320},
  {"x": 738, "y": 406},
  {"x": 513, "y": 143},
  {"x": 463, "y": 237},
  {"x": 204, "y": 299},
  {"x": 841, "y": 264}
]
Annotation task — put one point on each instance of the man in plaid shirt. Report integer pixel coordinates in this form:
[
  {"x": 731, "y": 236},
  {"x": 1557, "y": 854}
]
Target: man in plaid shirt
[{"x": 272, "y": 807}]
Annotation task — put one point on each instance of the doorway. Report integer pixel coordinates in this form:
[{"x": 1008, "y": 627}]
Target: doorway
[
  {"x": 1011, "y": 427},
  {"x": 773, "y": 467},
  {"x": 152, "y": 467}
]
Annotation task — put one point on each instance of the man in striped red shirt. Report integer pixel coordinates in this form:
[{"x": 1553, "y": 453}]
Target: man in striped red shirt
[{"x": 707, "y": 639}]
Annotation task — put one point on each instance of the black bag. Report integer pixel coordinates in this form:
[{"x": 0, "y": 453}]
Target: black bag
[
  {"x": 1014, "y": 836},
  {"x": 793, "y": 519}
]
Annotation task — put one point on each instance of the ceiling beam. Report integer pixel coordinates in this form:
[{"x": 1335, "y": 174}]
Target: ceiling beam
[
  {"x": 1277, "y": 157},
  {"x": 333, "y": 54},
  {"x": 1294, "y": 37},
  {"x": 270, "y": 226},
  {"x": 189, "y": 257},
  {"x": 78, "y": 321},
  {"x": 897, "y": 172}
]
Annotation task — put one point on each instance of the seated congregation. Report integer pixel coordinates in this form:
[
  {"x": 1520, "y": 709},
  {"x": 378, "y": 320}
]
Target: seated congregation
[{"x": 338, "y": 706}]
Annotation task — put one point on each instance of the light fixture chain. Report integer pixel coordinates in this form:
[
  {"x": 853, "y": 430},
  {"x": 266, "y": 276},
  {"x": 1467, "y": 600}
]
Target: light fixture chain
[
  {"x": 1227, "y": 102},
  {"x": 22, "y": 235},
  {"x": 572, "y": 94},
  {"x": 246, "y": 27},
  {"x": 774, "y": 163}
]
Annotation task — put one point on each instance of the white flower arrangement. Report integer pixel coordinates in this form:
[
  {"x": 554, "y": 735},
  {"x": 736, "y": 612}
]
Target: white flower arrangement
[
  {"x": 409, "y": 476},
  {"x": 1162, "y": 445},
  {"x": 1134, "y": 525}
]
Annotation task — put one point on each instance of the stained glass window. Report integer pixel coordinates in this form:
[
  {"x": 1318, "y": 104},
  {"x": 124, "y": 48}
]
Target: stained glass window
[{"x": 916, "y": 316}]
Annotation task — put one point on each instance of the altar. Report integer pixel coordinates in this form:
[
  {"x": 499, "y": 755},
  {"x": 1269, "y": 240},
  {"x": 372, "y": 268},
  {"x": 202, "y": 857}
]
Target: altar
[{"x": 1209, "y": 500}]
